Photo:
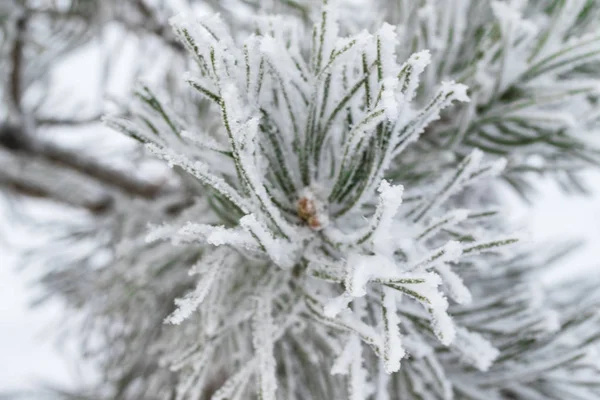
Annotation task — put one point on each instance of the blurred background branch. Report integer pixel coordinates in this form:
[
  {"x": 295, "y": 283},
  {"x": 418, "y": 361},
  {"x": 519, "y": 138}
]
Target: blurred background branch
[{"x": 31, "y": 59}]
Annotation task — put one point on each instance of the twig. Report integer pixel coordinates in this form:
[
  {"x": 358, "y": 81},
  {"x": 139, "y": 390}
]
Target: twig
[
  {"x": 30, "y": 189},
  {"x": 14, "y": 139},
  {"x": 16, "y": 74},
  {"x": 67, "y": 121},
  {"x": 149, "y": 24},
  {"x": 102, "y": 173},
  {"x": 22, "y": 175}
]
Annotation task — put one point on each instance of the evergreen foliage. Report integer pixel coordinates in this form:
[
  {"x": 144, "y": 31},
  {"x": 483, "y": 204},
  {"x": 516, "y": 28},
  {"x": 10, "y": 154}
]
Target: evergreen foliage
[{"x": 332, "y": 227}]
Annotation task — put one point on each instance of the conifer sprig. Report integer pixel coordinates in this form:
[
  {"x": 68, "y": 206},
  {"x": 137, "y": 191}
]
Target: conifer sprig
[
  {"x": 309, "y": 140},
  {"x": 332, "y": 228}
]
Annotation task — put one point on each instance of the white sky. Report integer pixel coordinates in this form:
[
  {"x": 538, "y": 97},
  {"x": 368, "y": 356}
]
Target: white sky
[{"x": 27, "y": 355}]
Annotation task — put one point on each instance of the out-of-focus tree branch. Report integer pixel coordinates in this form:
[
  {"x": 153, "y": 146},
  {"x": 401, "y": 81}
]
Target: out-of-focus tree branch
[
  {"x": 15, "y": 139},
  {"x": 16, "y": 75},
  {"x": 92, "y": 168},
  {"x": 18, "y": 185},
  {"x": 147, "y": 22},
  {"x": 50, "y": 121},
  {"x": 18, "y": 139},
  {"x": 21, "y": 175}
]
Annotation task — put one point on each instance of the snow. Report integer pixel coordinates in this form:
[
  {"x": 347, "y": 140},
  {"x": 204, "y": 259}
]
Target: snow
[
  {"x": 390, "y": 200},
  {"x": 337, "y": 305},
  {"x": 363, "y": 268},
  {"x": 280, "y": 60},
  {"x": 186, "y": 305},
  {"x": 417, "y": 63},
  {"x": 446, "y": 253},
  {"x": 446, "y": 221},
  {"x": 474, "y": 349},
  {"x": 388, "y": 98},
  {"x": 327, "y": 33},
  {"x": 281, "y": 251},
  {"x": 341, "y": 365},
  {"x": 359, "y": 387},
  {"x": 233, "y": 388},
  {"x": 453, "y": 184},
  {"x": 262, "y": 337},
  {"x": 393, "y": 351},
  {"x": 454, "y": 284},
  {"x": 201, "y": 171},
  {"x": 387, "y": 39},
  {"x": 215, "y": 235}
]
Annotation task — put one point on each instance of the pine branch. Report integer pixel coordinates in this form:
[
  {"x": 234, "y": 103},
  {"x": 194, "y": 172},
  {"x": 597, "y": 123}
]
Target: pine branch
[
  {"x": 15, "y": 139},
  {"x": 341, "y": 213},
  {"x": 17, "y": 184},
  {"x": 16, "y": 75}
]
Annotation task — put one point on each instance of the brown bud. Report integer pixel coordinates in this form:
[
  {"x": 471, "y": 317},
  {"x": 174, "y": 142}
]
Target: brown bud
[{"x": 307, "y": 211}]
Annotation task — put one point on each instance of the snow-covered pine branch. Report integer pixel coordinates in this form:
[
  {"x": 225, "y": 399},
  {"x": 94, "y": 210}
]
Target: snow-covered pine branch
[
  {"x": 285, "y": 115},
  {"x": 331, "y": 228}
]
